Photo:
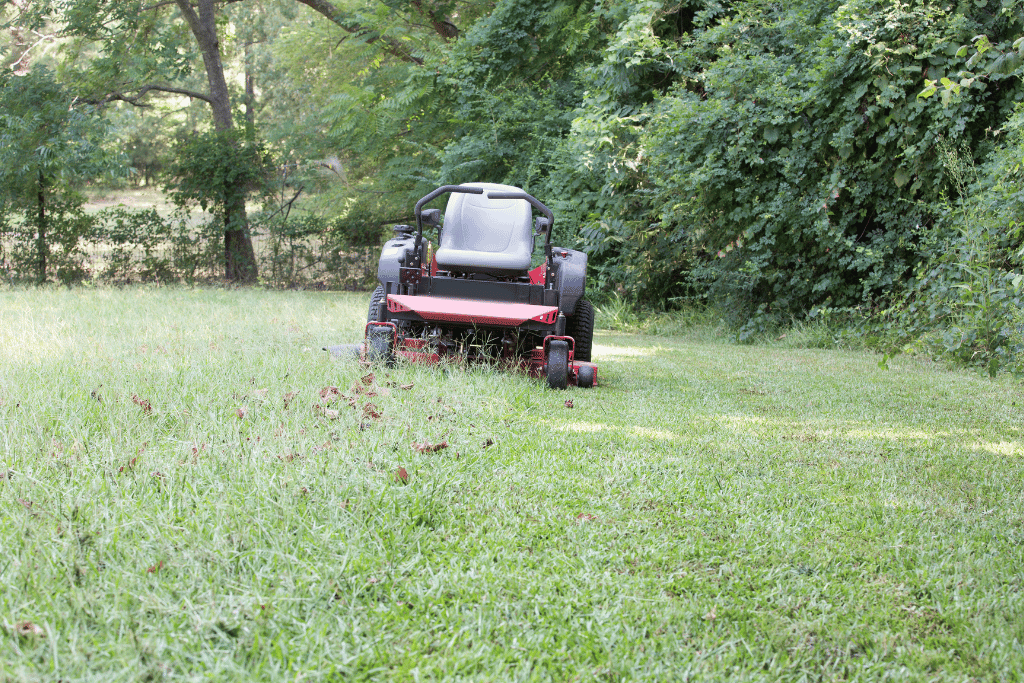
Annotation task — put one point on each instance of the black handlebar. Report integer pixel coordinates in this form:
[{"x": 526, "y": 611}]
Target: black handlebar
[{"x": 419, "y": 213}]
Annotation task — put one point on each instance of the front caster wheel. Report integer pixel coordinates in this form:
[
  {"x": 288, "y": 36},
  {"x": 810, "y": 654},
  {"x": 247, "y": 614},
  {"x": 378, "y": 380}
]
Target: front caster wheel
[
  {"x": 379, "y": 347},
  {"x": 558, "y": 364},
  {"x": 585, "y": 377}
]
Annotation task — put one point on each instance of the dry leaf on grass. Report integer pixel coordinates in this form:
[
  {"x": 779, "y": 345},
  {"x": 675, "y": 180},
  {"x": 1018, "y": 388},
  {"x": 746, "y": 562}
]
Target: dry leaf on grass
[
  {"x": 368, "y": 379},
  {"x": 430, "y": 447},
  {"x": 288, "y": 398},
  {"x": 146, "y": 406},
  {"x": 156, "y": 567},
  {"x": 407, "y": 387},
  {"x": 568, "y": 404},
  {"x": 26, "y": 503},
  {"x": 586, "y": 517},
  {"x": 327, "y": 393},
  {"x": 27, "y": 628},
  {"x": 241, "y": 412},
  {"x": 401, "y": 476},
  {"x": 371, "y": 411}
]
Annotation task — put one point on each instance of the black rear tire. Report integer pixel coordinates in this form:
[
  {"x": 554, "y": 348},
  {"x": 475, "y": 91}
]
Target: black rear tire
[
  {"x": 558, "y": 364},
  {"x": 375, "y": 299},
  {"x": 581, "y": 328}
]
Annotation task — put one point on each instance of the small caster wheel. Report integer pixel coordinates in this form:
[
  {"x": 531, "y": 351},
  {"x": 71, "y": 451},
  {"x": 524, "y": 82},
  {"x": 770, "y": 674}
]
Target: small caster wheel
[{"x": 558, "y": 364}]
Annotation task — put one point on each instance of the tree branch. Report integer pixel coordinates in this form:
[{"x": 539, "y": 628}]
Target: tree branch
[
  {"x": 134, "y": 99},
  {"x": 392, "y": 46}
]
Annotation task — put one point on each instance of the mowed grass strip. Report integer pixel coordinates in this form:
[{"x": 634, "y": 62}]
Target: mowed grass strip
[{"x": 183, "y": 495}]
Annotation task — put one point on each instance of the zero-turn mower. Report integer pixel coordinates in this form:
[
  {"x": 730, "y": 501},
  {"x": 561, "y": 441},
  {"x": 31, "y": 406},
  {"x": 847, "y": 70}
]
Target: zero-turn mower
[{"x": 476, "y": 297}]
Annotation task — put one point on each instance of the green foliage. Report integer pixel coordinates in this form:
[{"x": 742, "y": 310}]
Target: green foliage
[
  {"x": 788, "y": 166},
  {"x": 211, "y": 166},
  {"x": 48, "y": 147},
  {"x": 966, "y": 300}
]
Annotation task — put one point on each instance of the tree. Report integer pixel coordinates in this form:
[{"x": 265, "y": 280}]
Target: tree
[
  {"x": 48, "y": 144},
  {"x": 126, "y": 51}
]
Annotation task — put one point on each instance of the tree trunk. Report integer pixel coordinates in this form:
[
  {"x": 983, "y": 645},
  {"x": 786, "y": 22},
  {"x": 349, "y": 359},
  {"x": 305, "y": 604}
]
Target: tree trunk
[
  {"x": 42, "y": 248},
  {"x": 239, "y": 256},
  {"x": 250, "y": 97}
]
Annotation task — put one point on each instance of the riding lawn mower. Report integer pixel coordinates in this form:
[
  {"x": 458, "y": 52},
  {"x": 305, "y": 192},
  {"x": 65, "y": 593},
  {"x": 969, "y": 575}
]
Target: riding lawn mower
[{"x": 476, "y": 297}]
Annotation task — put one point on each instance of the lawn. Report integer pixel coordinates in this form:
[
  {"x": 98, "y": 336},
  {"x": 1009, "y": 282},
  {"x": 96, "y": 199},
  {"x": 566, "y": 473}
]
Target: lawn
[{"x": 184, "y": 495}]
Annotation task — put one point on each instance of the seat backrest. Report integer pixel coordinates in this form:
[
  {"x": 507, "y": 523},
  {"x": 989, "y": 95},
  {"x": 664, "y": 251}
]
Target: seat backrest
[{"x": 481, "y": 235}]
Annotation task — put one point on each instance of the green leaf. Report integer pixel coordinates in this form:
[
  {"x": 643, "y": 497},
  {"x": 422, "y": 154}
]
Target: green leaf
[{"x": 901, "y": 178}]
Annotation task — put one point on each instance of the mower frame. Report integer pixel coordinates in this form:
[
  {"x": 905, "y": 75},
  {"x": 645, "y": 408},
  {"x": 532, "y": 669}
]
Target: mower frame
[{"x": 424, "y": 312}]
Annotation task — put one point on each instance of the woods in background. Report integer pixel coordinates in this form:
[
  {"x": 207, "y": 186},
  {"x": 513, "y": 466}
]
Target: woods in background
[{"x": 854, "y": 162}]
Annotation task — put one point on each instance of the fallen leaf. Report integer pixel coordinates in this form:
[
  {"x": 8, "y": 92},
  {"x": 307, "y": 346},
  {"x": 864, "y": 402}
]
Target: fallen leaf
[
  {"x": 401, "y": 476},
  {"x": 260, "y": 393},
  {"x": 328, "y": 393},
  {"x": 331, "y": 414},
  {"x": 430, "y": 447},
  {"x": 407, "y": 387},
  {"x": 27, "y": 628},
  {"x": 372, "y": 579},
  {"x": 142, "y": 403},
  {"x": 158, "y": 475},
  {"x": 371, "y": 411},
  {"x": 288, "y": 398},
  {"x": 26, "y": 503},
  {"x": 241, "y": 412},
  {"x": 586, "y": 517},
  {"x": 303, "y": 491},
  {"x": 488, "y": 443},
  {"x": 156, "y": 567},
  {"x": 712, "y": 615},
  {"x": 95, "y": 393},
  {"x": 568, "y": 404},
  {"x": 368, "y": 379}
]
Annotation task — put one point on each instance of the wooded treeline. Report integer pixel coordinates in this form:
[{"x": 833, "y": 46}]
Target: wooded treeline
[{"x": 856, "y": 162}]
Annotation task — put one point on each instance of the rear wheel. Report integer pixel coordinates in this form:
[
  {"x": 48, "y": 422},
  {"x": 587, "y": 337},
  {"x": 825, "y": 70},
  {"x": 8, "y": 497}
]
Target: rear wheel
[
  {"x": 581, "y": 328},
  {"x": 558, "y": 364},
  {"x": 375, "y": 299}
]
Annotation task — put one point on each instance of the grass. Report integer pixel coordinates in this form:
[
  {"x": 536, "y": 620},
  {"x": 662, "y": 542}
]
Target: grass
[{"x": 179, "y": 503}]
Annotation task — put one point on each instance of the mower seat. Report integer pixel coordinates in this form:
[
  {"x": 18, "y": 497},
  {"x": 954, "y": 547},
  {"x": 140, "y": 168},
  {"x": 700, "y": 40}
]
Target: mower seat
[{"x": 490, "y": 236}]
